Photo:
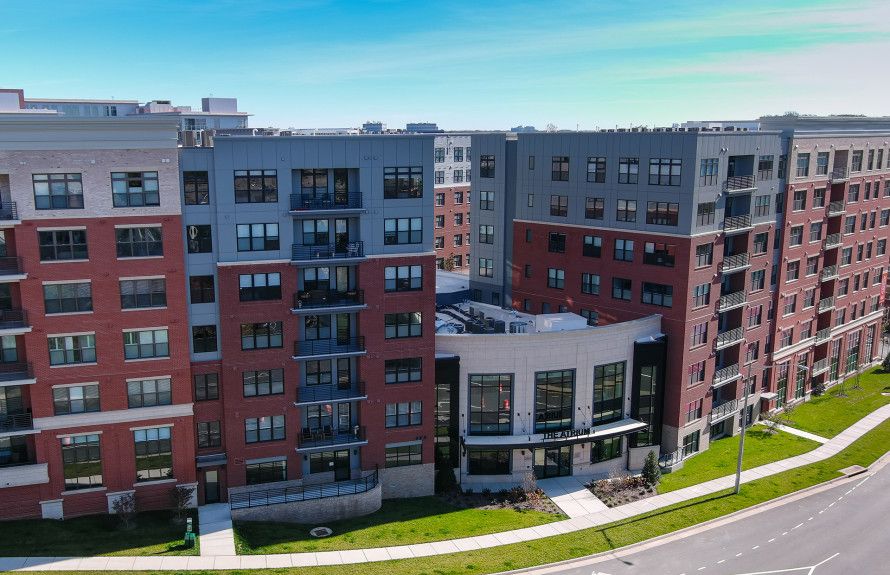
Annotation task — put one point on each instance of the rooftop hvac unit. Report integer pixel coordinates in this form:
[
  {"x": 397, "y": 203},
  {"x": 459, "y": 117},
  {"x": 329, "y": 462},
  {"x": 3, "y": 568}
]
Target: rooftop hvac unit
[{"x": 189, "y": 139}]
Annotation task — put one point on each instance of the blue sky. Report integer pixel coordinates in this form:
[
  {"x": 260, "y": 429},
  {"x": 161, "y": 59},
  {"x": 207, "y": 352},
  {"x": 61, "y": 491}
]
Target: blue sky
[{"x": 465, "y": 65}]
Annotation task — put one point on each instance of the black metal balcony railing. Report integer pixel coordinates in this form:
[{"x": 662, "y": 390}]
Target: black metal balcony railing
[
  {"x": 328, "y": 252},
  {"x": 327, "y": 436},
  {"x": 329, "y": 346},
  {"x": 16, "y": 371},
  {"x": 735, "y": 183},
  {"x": 311, "y": 299},
  {"x": 10, "y": 265},
  {"x": 8, "y": 211},
  {"x": 832, "y": 241},
  {"x": 302, "y": 492},
  {"x": 730, "y": 301},
  {"x": 300, "y": 202},
  {"x": 12, "y": 318},
  {"x": 836, "y": 208},
  {"x": 823, "y": 335},
  {"x": 724, "y": 410},
  {"x": 820, "y": 366},
  {"x": 828, "y": 273},
  {"x": 730, "y": 337},
  {"x": 839, "y": 174},
  {"x": 735, "y": 223},
  {"x": 16, "y": 422},
  {"x": 826, "y": 304},
  {"x": 331, "y": 392},
  {"x": 735, "y": 262},
  {"x": 726, "y": 374}
]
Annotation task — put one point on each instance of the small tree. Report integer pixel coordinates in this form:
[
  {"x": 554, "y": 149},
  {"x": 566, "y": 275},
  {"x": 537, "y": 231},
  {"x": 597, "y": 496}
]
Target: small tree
[
  {"x": 776, "y": 418},
  {"x": 445, "y": 481},
  {"x": 448, "y": 264},
  {"x": 885, "y": 365},
  {"x": 651, "y": 471},
  {"x": 181, "y": 498},
  {"x": 125, "y": 509}
]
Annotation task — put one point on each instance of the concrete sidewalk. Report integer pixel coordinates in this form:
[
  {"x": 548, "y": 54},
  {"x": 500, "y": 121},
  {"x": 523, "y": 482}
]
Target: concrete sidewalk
[
  {"x": 795, "y": 431},
  {"x": 829, "y": 449},
  {"x": 215, "y": 529},
  {"x": 571, "y": 495}
]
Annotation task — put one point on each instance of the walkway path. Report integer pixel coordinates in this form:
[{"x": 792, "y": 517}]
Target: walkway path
[
  {"x": 795, "y": 431},
  {"x": 215, "y": 528},
  {"x": 828, "y": 449},
  {"x": 571, "y": 495}
]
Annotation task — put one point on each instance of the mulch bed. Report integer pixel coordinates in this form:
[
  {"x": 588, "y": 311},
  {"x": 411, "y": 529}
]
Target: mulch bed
[
  {"x": 621, "y": 490},
  {"x": 515, "y": 499}
]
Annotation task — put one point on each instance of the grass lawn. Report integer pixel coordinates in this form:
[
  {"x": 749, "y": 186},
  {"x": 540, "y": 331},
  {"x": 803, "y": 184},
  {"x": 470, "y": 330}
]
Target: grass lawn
[
  {"x": 720, "y": 459},
  {"x": 598, "y": 539},
  {"x": 399, "y": 522},
  {"x": 829, "y": 414},
  {"x": 153, "y": 534}
]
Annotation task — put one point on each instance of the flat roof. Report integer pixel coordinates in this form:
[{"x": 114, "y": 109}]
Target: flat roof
[{"x": 77, "y": 101}]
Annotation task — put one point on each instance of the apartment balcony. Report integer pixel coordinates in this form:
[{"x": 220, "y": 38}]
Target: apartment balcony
[
  {"x": 11, "y": 269},
  {"x": 16, "y": 374},
  {"x": 739, "y": 184},
  {"x": 328, "y": 438},
  {"x": 331, "y": 393},
  {"x": 13, "y": 424},
  {"x": 826, "y": 304},
  {"x": 735, "y": 263},
  {"x": 836, "y": 208},
  {"x": 729, "y": 338},
  {"x": 14, "y": 322},
  {"x": 724, "y": 411},
  {"x": 839, "y": 175},
  {"x": 726, "y": 375},
  {"x": 828, "y": 273},
  {"x": 820, "y": 366},
  {"x": 325, "y": 348},
  {"x": 823, "y": 335},
  {"x": 832, "y": 241},
  {"x": 731, "y": 301},
  {"x": 312, "y": 206},
  {"x": 349, "y": 252},
  {"x": 9, "y": 214},
  {"x": 737, "y": 224},
  {"x": 333, "y": 301}
]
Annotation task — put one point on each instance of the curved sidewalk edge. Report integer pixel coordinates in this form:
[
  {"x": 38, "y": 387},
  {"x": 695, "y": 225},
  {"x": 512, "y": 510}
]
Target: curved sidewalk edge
[{"x": 829, "y": 449}]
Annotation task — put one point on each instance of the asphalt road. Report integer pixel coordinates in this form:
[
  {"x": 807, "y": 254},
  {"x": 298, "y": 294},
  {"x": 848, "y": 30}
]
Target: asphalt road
[{"x": 844, "y": 530}]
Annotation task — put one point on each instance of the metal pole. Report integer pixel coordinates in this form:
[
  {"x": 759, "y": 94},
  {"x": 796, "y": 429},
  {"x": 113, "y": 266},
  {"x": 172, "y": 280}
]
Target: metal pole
[{"x": 738, "y": 470}]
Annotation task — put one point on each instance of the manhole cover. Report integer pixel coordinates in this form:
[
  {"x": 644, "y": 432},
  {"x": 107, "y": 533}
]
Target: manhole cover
[{"x": 321, "y": 532}]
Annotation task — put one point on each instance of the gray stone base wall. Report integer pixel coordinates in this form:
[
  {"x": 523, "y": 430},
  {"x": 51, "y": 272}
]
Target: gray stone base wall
[
  {"x": 637, "y": 457},
  {"x": 408, "y": 481},
  {"x": 315, "y": 511}
]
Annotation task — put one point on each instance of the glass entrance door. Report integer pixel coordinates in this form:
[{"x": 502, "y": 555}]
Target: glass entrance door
[
  {"x": 211, "y": 486},
  {"x": 341, "y": 465},
  {"x": 553, "y": 462}
]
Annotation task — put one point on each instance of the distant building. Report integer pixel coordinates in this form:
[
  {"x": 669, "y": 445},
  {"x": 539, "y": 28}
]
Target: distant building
[
  {"x": 373, "y": 127},
  {"x": 523, "y": 129},
  {"x": 451, "y": 228},
  {"x": 750, "y": 125},
  {"x": 422, "y": 128}
]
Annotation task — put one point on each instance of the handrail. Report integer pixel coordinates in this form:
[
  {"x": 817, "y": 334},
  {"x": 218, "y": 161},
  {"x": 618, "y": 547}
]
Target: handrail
[
  {"x": 732, "y": 223},
  {"x": 330, "y": 251},
  {"x": 16, "y": 422},
  {"x": 330, "y": 392},
  {"x": 13, "y": 318},
  {"x": 304, "y": 299},
  {"x": 335, "y": 201},
  {"x": 10, "y": 265},
  {"x": 329, "y": 435},
  {"x": 328, "y": 346},
  {"x": 739, "y": 183},
  {"x": 735, "y": 261},
  {"x": 18, "y": 370},
  {"x": 265, "y": 497},
  {"x": 9, "y": 211}
]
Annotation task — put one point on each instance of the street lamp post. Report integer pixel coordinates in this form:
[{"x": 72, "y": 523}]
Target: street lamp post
[{"x": 744, "y": 421}]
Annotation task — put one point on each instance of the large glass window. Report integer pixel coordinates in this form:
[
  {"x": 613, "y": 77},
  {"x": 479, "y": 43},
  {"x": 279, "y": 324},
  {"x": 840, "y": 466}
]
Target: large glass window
[
  {"x": 404, "y": 370},
  {"x": 403, "y": 182},
  {"x": 151, "y": 292},
  {"x": 266, "y": 472},
  {"x": 68, "y": 298},
  {"x": 257, "y": 237},
  {"x": 209, "y": 434},
  {"x": 135, "y": 189},
  {"x": 154, "y": 453},
  {"x": 664, "y": 172},
  {"x": 399, "y": 325},
  {"x": 402, "y": 231},
  {"x": 605, "y": 449},
  {"x": 628, "y": 170},
  {"x": 201, "y": 289},
  {"x": 57, "y": 191},
  {"x": 206, "y": 386},
  {"x": 259, "y": 429},
  {"x": 608, "y": 392},
  {"x": 261, "y": 335},
  {"x": 149, "y": 392},
  {"x": 256, "y": 186},
  {"x": 81, "y": 462},
  {"x": 402, "y": 455},
  {"x": 402, "y": 278},
  {"x": 257, "y": 287},
  {"x": 404, "y": 414},
  {"x": 72, "y": 349},
  {"x": 554, "y": 400},
  {"x": 263, "y": 382},
  {"x": 142, "y": 344},
  {"x": 139, "y": 242},
  {"x": 488, "y": 461},
  {"x": 63, "y": 245},
  {"x": 75, "y": 399},
  {"x": 490, "y": 404},
  {"x": 195, "y": 188},
  {"x": 199, "y": 239}
]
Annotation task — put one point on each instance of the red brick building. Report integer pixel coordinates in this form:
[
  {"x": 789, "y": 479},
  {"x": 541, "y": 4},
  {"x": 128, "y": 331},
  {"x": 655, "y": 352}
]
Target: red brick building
[{"x": 452, "y": 175}]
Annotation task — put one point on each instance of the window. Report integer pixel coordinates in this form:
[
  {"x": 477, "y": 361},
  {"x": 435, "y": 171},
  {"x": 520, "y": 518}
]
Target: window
[
  {"x": 792, "y": 271},
  {"x": 486, "y": 267},
  {"x": 846, "y": 256},
  {"x": 486, "y": 235},
  {"x": 72, "y": 349},
  {"x": 440, "y": 197},
  {"x": 401, "y": 325},
  {"x": 201, "y": 289},
  {"x": 765, "y": 168},
  {"x": 706, "y": 213},
  {"x": 708, "y": 171},
  {"x": 856, "y": 161},
  {"x": 404, "y": 414},
  {"x": 790, "y": 304},
  {"x": 257, "y": 237},
  {"x": 822, "y": 163},
  {"x": 530, "y": 201},
  {"x": 819, "y": 198},
  {"x": 439, "y": 155},
  {"x": 209, "y": 434},
  {"x": 154, "y": 453},
  {"x": 440, "y": 221},
  {"x": 755, "y": 316},
  {"x": 490, "y": 404},
  {"x": 261, "y": 335},
  {"x": 139, "y": 242},
  {"x": 556, "y": 242},
  {"x": 259, "y": 287},
  {"x": 853, "y": 193},
  {"x": 704, "y": 255},
  {"x": 258, "y": 186},
  {"x": 608, "y": 392},
  {"x": 659, "y": 254},
  {"x": 266, "y": 472},
  {"x": 621, "y": 288},
  {"x": 57, "y": 191},
  {"x": 458, "y": 154},
  {"x": 803, "y": 165},
  {"x": 628, "y": 170},
  {"x": 199, "y": 240},
  {"x": 662, "y": 213},
  {"x": 149, "y": 393},
  {"x": 260, "y": 429},
  {"x": 795, "y": 237},
  {"x": 701, "y": 295},
  {"x": 404, "y": 370},
  {"x": 403, "y": 182},
  {"x": 592, "y": 246},
  {"x": 402, "y": 278},
  {"x": 626, "y": 211},
  {"x": 812, "y": 265},
  {"x": 134, "y": 189},
  {"x": 624, "y": 250},
  {"x": 554, "y": 400},
  {"x": 799, "y": 200},
  {"x": 403, "y": 231},
  {"x": 439, "y": 178},
  {"x": 67, "y": 298},
  {"x": 63, "y": 245},
  {"x": 204, "y": 339},
  {"x": 75, "y": 399},
  {"x": 761, "y": 241},
  {"x": 263, "y": 382},
  {"x": 206, "y": 386},
  {"x": 786, "y": 338},
  {"x": 144, "y": 344},
  {"x": 196, "y": 188},
  {"x": 144, "y": 293},
  {"x": 457, "y": 176},
  {"x": 699, "y": 334},
  {"x": 402, "y": 455},
  {"x": 881, "y": 247},
  {"x": 871, "y": 159},
  {"x": 594, "y": 208},
  {"x": 691, "y": 443},
  {"x": 559, "y": 205},
  {"x": 528, "y": 270},
  {"x": 316, "y": 232},
  {"x": 81, "y": 462},
  {"x": 596, "y": 170},
  {"x": 664, "y": 172},
  {"x": 486, "y": 165},
  {"x": 761, "y": 206},
  {"x": 657, "y": 294},
  {"x": 559, "y": 166},
  {"x": 592, "y": 317},
  {"x": 488, "y": 462},
  {"x": 486, "y": 201},
  {"x": 590, "y": 283},
  {"x": 694, "y": 410},
  {"x": 815, "y": 231}
]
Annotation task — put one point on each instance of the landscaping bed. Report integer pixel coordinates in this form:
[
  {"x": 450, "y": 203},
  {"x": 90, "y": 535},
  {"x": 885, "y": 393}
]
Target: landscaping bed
[
  {"x": 516, "y": 499},
  {"x": 621, "y": 490}
]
